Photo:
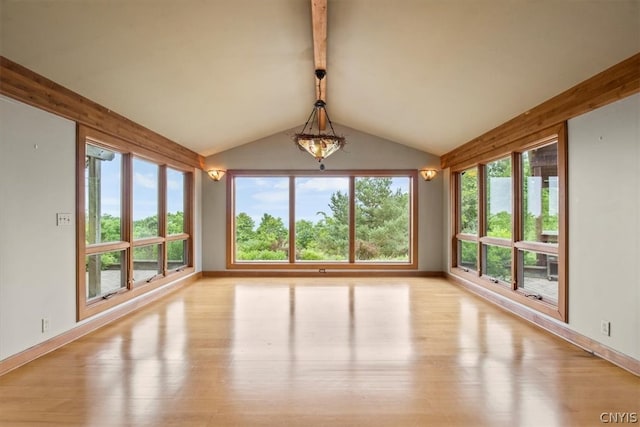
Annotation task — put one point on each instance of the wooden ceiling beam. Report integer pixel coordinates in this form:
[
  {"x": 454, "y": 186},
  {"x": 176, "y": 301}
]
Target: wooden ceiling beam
[{"x": 319, "y": 28}]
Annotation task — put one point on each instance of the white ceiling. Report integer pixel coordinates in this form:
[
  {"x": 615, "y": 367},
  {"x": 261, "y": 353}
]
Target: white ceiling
[{"x": 213, "y": 74}]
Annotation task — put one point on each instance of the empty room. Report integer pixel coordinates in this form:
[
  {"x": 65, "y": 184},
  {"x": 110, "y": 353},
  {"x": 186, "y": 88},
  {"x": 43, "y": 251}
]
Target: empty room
[{"x": 319, "y": 213}]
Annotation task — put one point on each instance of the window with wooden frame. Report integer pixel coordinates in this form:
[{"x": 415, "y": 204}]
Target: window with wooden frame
[
  {"x": 322, "y": 219},
  {"x": 134, "y": 210},
  {"x": 510, "y": 225}
]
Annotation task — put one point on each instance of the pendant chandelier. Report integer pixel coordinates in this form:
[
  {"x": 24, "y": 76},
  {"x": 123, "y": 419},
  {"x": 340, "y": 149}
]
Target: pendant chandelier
[{"x": 315, "y": 141}]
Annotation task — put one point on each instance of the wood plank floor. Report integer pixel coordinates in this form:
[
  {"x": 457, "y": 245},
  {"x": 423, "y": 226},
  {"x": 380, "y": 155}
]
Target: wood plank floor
[{"x": 318, "y": 352}]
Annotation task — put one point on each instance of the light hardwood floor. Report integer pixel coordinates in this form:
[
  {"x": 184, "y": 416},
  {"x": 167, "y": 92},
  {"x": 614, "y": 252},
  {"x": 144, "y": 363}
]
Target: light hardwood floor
[{"x": 318, "y": 352}]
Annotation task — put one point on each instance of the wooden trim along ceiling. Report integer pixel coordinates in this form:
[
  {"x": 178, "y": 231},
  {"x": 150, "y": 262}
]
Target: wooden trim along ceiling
[
  {"x": 611, "y": 85},
  {"x": 31, "y": 88}
]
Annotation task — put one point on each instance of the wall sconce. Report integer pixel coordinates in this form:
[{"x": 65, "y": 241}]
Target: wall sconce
[
  {"x": 216, "y": 174},
  {"x": 428, "y": 174}
]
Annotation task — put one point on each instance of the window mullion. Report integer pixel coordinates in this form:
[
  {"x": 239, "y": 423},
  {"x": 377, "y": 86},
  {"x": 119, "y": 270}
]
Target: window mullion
[
  {"x": 516, "y": 218},
  {"x": 188, "y": 217},
  {"x": 352, "y": 220},
  {"x": 162, "y": 215},
  {"x": 482, "y": 214},
  {"x": 292, "y": 219},
  {"x": 127, "y": 214},
  {"x": 456, "y": 209}
]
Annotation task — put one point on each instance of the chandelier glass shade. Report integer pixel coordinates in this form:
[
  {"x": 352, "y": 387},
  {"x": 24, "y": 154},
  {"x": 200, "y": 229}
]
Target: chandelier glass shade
[{"x": 319, "y": 145}]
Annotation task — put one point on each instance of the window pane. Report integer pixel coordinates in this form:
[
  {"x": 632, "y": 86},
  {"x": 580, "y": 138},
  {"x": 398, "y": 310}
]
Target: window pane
[
  {"x": 499, "y": 198},
  {"x": 497, "y": 262},
  {"x": 538, "y": 275},
  {"x": 468, "y": 255},
  {"x": 469, "y": 201},
  {"x": 175, "y": 201},
  {"x": 382, "y": 219},
  {"x": 176, "y": 254},
  {"x": 103, "y": 195},
  {"x": 322, "y": 219},
  {"x": 105, "y": 273},
  {"x": 540, "y": 194},
  {"x": 262, "y": 218},
  {"x": 147, "y": 262},
  {"x": 145, "y": 199}
]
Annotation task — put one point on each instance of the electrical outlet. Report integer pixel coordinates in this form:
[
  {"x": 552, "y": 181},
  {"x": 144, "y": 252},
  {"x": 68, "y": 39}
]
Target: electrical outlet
[
  {"x": 605, "y": 328},
  {"x": 63, "y": 219},
  {"x": 45, "y": 324}
]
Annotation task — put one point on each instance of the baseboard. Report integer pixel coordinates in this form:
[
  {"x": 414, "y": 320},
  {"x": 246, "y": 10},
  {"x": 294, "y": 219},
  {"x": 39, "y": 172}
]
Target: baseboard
[
  {"x": 550, "y": 325},
  {"x": 316, "y": 273},
  {"x": 32, "y": 353}
]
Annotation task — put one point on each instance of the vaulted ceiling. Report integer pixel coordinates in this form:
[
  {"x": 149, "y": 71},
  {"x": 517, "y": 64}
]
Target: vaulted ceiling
[{"x": 213, "y": 74}]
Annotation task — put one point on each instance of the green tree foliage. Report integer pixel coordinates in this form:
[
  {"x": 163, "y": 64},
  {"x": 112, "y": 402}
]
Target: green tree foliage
[
  {"x": 147, "y": 227},
  {"x": 382, "y": 220},
  {"x": 269, "y": 242},
  {"x": 498, "y": 262},
  {"x": 109, "y": 228},
  {"x": 333, "y": 229},
  {"x": 244, "y": 228},
  {"x": 175, "y": 223},
  {"x": 469, "y": 216},
  {"x": 306, "y": 234},
  {"x": 273, "y": 231},
  {"x": 469, "y": 201}
]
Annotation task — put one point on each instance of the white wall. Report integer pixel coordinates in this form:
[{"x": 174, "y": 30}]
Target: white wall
[
  {"x": 604, "y": 224},
  {"x": 363, "y": 151},
  {"x": 38, "y": 258}
]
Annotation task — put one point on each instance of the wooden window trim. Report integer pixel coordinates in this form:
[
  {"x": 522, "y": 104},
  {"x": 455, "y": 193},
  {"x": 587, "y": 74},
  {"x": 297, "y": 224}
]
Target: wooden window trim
[
  {"x": 467, "y": 237},
  {"x": 496, "y": 241},
  {"x": 351, "y": 263},
  {"x": 84, "y": 308},
  {"x": 545, "y": 248},
  {"x": 557, "y": 134},
  {"x": 106, "y": 247},
  {"x": 181, "y": 236},
  {"x": 148, "y": 241}
]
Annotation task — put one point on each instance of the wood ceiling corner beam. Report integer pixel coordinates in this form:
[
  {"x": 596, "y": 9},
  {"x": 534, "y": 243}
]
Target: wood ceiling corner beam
[
  {"x": 22, "y": 84},
  {"x": 319, "y": 28},
  {"x": 610, "y": 85}
]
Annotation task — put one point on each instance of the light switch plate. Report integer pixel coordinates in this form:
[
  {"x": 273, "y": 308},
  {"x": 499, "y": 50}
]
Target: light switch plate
[{"x": 63, "y": 219}]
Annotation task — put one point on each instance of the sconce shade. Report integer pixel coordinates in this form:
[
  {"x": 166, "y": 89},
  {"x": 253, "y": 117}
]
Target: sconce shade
[
  {"x": 428, "y": 174},
  {"x": 215, "y": 174}
]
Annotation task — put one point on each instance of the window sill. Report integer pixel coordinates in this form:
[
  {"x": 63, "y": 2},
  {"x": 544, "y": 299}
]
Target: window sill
[{"x": 516, "y": 295}]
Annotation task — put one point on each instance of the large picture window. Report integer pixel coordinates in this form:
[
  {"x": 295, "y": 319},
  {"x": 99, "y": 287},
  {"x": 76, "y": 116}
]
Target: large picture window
[
  {"x": 510, "y": 228},
  {"x": 134, "y": 221},
  {"x": 343, "y": 219}
]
